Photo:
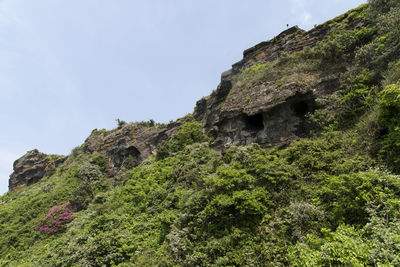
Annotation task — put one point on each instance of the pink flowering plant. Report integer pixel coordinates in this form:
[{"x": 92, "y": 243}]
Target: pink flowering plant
[{"x": 56, "y": 219}]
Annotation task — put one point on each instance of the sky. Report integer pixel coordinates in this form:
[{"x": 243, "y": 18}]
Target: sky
[{"x": 70, "y": 66}]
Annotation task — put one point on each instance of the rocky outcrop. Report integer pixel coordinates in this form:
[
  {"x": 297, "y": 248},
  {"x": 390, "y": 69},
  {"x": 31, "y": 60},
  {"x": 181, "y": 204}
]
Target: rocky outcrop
[
  {"x": 130, "y": 144},
  {"x": 127, "y": 145},
  {"x": 239, "y": 119},
  {"x": 267, "y": 114},
  {"x": 271, "y": 112},
  {"x": 293, "y": 40},
  {"x": 32, "y": 167}
]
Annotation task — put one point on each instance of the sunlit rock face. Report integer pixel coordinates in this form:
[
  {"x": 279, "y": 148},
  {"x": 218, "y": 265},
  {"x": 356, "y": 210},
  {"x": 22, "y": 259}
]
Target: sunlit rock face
[{"x": 32, "y": 167}]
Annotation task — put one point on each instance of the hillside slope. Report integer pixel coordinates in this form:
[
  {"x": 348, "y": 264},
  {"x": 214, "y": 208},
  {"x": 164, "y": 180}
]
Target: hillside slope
[{"x": 292, "y": 161}]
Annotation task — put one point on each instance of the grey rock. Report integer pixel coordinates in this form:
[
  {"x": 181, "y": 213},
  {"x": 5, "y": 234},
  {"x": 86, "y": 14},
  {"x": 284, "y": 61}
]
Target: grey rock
[
  {"x": 32, "y": 167},
  {"x": 130, "y": 144},
  {"x": 267, "y": 114}
]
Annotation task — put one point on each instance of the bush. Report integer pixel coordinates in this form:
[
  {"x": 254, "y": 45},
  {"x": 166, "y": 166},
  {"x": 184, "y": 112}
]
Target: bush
[
  {"x": 389, "y": 119},
  {"x": 385, "y": 16},
  {"x": 344, "y": 247},
  {"x": 82, "y": 195},
  {"x": 190, "y": 133},
  {"x": 120, "y": 123},
  {"x": 56, "y": 219},
  {"x": 340, "y": 45},
  {"x": 100, "y": 160},
  {"x": 345, "y": 197},
  {"x": 89, "y": 172},
  {"x": 379, "y": 7},
  {"x": 360, "y": 93},
  {"x": 392, "y": 76}
]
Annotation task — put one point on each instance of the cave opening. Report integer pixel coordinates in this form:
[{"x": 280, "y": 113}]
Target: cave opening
[
  {"x": 254, "y": 122},
  {"x": 300, "y": 108},
  {"x": 133, "y": 151},
  {"x": 131, "y": 154}
]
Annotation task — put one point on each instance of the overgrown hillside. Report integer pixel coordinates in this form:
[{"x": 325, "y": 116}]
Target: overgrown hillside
[{"x": 293, "y": 161}]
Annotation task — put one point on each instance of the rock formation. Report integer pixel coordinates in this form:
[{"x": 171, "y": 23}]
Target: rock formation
[
  {"x": 269, "y": 113},
  {"x": 131, "y": 141},
  {"x": 32, "y": 167}
]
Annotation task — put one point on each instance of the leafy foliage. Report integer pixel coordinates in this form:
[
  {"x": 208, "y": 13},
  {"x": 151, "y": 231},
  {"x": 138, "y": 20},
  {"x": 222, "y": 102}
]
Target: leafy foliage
[
  {"x": 326, "y": 200},
  {"x": 190, "y": 133},
  {"x": 344, "y": 247},
  {"x": 389, "y": 118}
]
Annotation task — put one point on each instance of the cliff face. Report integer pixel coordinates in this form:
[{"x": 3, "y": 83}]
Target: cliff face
[
  {"x": 130, "y": 144},
  {"x": 270, "y": 110},
  {"x": 32, "y": 167},
  {"x": 273, "y": 111}
]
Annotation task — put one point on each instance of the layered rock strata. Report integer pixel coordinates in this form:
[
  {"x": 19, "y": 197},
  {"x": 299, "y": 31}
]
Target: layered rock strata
[{"x": 32, "y": 167}]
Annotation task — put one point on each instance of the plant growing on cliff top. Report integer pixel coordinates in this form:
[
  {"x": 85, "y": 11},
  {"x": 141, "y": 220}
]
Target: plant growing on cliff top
[
  {"x": 56, "y": 219},
  {"x": 120, "y": 123},
  {"x": 190, "y": 133}
]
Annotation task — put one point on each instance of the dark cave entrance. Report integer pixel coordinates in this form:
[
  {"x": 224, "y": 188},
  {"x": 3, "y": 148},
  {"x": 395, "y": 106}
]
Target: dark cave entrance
[
  {"x": 128, "y": 155},
  {"x": 133, "y": 151},
  {"x": 300, "y": 108},
  {"x": 254, "y": 122}
]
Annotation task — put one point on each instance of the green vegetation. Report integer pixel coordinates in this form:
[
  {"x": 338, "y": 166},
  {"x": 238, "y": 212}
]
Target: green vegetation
[
  {"x": 288, "y": 69},
  {"x": 313, "y": 202},
  {"x": 190, "y": 132},
  {"x": 335, "y": 54},
  {"x": 332, "y": 199}
]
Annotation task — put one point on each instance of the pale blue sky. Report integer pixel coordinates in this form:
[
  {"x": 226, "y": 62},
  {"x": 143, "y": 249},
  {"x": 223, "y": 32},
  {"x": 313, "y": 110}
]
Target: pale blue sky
[{"x": 69, "y": 66}]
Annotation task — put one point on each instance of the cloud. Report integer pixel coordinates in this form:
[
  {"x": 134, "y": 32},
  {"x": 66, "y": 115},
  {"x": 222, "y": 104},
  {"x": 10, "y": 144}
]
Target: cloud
[
  {"x": 300, "y": 9},
  {"x": 306, "y": 18}
]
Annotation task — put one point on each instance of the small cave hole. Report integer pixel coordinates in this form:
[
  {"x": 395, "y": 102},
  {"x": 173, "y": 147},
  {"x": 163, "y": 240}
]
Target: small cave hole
[
  {"x": 131, "y": 154},
  {"x": 383, "y": 132},
  {"x": 254, "y": 122},
  {"x": 300, "y": 108},
  {"x": 133, "y": 151}
]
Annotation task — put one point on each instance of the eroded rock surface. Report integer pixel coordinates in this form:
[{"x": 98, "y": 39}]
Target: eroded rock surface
[
  {"x": 271, "y": 112},
  {"x": 32, "y": 167},
  {"x": 129, "y": 144}
]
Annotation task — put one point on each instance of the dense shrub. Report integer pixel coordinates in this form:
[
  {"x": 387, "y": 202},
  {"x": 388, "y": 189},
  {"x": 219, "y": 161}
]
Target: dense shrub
[
  {"x": 389, "y": 119},
  {"x": 392, "y": 76},
  {"x": 191, "y": 132},
  {"x": 56, "y": 219},
  {"x": 89, "y": 172},
  {"x": 360, "y": 93},
  {"x": 82, "y": 195},
  {"x": 347, "y": 197},
  {"x": 341, "y": 44},
  {"x": 385, "y": 15},
  {"x": 344, "y": 247},
  {"x": 100, "y": 160}
]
